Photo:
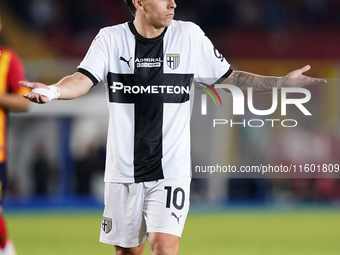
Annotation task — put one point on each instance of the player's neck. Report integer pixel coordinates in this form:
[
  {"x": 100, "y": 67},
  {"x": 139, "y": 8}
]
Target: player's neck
[{"x": 147, "y": 30}]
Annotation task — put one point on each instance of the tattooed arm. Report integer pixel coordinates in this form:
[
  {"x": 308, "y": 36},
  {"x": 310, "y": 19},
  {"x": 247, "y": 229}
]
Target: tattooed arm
[{"x": 262, "y": 84}]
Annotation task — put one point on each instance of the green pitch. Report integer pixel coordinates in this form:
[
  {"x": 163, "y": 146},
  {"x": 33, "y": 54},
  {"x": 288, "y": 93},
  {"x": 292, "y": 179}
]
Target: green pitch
[{"x": 241, "y": 232}]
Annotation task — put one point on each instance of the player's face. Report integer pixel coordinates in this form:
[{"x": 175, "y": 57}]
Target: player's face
[{"x": 159, "y": 13}]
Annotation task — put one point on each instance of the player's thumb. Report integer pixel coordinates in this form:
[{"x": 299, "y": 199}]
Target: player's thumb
[{"x": 305, "y": 68}]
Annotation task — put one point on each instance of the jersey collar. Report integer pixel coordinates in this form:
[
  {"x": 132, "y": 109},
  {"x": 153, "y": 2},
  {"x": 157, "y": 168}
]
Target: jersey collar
[{"x": 142, "y": 38}]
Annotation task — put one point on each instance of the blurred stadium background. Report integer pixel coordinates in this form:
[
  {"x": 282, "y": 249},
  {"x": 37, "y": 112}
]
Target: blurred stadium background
[{"x": 57, "y": 151}]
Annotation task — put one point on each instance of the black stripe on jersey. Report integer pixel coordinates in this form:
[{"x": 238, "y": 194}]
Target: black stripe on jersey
[
  {"x": 148, "y": 106},
  {"x": 89, "y": 75},
  {"x": 148, "y": 151}
]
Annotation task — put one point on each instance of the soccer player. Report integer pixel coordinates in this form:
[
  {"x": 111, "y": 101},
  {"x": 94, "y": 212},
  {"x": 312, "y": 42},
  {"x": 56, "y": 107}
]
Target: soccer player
[
  {"x": 147, "y": 67},
  {"x": 11, "y": 72}
]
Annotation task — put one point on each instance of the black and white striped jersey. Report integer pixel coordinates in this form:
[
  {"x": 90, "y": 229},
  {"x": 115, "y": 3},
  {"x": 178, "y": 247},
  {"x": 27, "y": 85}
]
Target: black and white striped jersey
[{"x": 147, "y": 83}]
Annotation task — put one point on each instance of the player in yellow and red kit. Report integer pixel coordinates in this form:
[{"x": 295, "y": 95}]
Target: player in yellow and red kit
[{"x": 11, "y": 72}]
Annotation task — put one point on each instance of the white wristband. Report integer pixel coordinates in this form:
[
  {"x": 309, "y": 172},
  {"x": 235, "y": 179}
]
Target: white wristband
[{"x": 52, "y": 92}]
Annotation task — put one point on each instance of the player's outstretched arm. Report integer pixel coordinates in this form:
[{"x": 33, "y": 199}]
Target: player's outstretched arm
[
  {"x": 69, "y": 87},
  {"x": 262, "y": 84}
]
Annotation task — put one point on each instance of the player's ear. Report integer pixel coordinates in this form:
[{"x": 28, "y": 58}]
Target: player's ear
[{"x": 138, "y": 4}]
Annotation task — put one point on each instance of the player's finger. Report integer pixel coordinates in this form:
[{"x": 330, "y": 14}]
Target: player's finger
[
  {"x": 304, "y": 69},
  {"x": 319, "y": 81},
  {"x": 26, "y": 84},
  {"x": 44, "y": 99},
  {"x": 36, "y": 97},
  {"x": 312, "y": 81},
  {"x": 40, "y": 99}
]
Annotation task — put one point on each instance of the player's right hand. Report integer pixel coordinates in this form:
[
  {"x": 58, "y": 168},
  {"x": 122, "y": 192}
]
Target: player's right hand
[{"x": 33, "y": 96}]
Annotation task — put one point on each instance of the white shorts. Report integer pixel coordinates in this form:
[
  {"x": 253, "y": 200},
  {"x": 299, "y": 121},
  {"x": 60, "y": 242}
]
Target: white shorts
[{"x": 135, "y": 209}]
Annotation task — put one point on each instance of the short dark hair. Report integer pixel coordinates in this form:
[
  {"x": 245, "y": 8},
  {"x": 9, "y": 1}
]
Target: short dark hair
[{"x": 131, "y": 6}]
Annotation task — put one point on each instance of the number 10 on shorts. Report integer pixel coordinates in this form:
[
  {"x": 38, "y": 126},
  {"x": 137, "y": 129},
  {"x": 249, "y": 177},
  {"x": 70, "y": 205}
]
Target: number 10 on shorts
[{"x": 177, "y": 197}]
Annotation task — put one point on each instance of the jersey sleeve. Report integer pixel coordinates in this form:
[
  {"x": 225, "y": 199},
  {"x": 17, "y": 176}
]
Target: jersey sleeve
[
  {"x": 95, "y": 63},
  {"x": 16, "y": 73},
  {"x": 210, "y": 65}
]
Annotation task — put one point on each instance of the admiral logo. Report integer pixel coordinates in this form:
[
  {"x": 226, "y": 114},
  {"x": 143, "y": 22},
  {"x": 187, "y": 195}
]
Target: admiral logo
[
  {"x": 148, "y": 62},
  {"x": 173, "y": 60},
  {"x": 151, "y": 89}
]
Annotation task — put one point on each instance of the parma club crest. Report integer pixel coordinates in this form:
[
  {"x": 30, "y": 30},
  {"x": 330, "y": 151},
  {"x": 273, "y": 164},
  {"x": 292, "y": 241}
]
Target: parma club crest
[
  {"x": 173, "y": 60},
  {"x": 107, "y": 225}
]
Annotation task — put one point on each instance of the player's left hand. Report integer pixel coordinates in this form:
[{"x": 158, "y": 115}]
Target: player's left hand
[{"x": 296, "y": 78}]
